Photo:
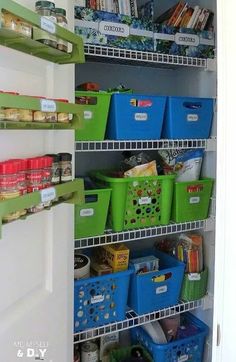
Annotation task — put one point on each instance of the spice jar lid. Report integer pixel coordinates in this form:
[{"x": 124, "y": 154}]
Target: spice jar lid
[
  {"x": 47, "y": 160},
  {"x": 45, "y": 4},
  {"x": 8, "y": 167},
  {"x": 65, "y": 156},
  {"x": 54, "y": 156},
  {"x": 20, "y": 162},
  {"x": 60, "y": 11},
  {"x": 34, "y": 163}
]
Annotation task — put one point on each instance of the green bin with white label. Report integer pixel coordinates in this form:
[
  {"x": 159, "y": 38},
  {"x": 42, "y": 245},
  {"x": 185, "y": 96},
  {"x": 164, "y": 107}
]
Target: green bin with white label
[
  {"x": 95, "y": 108},
  {"x": 91, "y": 217}
]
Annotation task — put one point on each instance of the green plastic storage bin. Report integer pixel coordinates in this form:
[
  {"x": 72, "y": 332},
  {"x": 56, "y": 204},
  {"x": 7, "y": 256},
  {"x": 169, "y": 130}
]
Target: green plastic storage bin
[
  {"x": 95, "y": 108},
  {"x": 90, "y": 218},
  {"x": 138, "y": 202},
  {"x": 118, "y": 355},
  {"x": 191, "y": 200},
  {"x": 194, "y": 286}
]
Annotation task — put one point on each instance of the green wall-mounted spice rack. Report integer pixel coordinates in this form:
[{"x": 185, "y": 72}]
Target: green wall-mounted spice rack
[
  {"x": 11, "y": 101},
  {"x": 75, "y": 189},
  {"x": 18, "y": 41}
]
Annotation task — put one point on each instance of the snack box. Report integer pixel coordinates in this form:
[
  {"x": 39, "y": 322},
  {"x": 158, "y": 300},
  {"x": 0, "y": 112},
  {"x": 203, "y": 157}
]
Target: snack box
[
  {"x": 117, "y": 256},
  {"x": 98, "y": 269},
  {"x": 145, "y": 264}
]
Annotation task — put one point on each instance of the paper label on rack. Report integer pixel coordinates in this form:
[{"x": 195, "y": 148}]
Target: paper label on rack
[
  {"x": 183, "y": 358},
  {"x": 117, "y": 29},
  {"x": 187, "y": 39},
  {"x": 144, "y": 200},
  {"x": 192, "y": 117},
  {"x": 97, "y": 299},
  {"x": 194, "y": 200},
  {"x": 48, "y": 194},
  {"x": 141, "y": 117},
  {"x": 48, "y": 105},
  {"x": 194, "y": 277},
  {"x": 47, "y": 25},
  {"x": 161, "y": 290},
  {"x": 86, "y": 212},
  {"x": 88, "y": 114}
]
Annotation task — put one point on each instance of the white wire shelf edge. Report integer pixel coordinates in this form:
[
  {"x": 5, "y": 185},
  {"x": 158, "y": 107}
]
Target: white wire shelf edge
[
  {"x": 133, "y": 320},
  {"x": 125, "y": 236},
  {"x": 111, "y": 145},
  {"x": 133, "y": 56}
]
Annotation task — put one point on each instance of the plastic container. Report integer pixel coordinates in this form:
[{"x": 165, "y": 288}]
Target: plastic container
[
  {"x": 160, "y": 288},
  {"x": 188, "y": 118},
  {"x": 194, "y": 286},
  {"x": 134, "y": 116},
  {"x": 118, "y": 355},
  {"x": 138, "y": 202},
  {"x": 100, "y": 300},
  {"x": 34, "y": 178},
  {"x": 91, "y": 217},
  {"x": 185, "y": 349},
  {"x": 95, "y": 107},
  {"x": 191, "y": 200},
  {"x": 21, "y": 179}
]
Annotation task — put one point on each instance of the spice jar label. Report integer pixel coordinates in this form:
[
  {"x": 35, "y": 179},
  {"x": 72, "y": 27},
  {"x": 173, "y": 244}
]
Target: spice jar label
[
  {"x": 47, "y": 25},
  {"x": 48, "y": 194},
  {"x": 48, "y": 105}
]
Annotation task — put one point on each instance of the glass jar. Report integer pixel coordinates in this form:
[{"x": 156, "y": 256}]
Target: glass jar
[
  {"x": 47, "y": 175},
  {"x": 47, "y": 10},
  {"x": 11, "y": 114},
  {"x": 55, "y": 169},
  {"x": 62, "y": 21},
  {"x": 63, "y": 117},
  {"x": 65, "y": 167},
  {"x": 9, "y": 186},
  {"x": 13, "y": 22},
  {"x": 21, "y": 177},
  {"x": 24, "y": 28},
  {"x": 51, "y": 117},
  {"x": 25, "y": 115},
  {"x": 34, "y": 177},
  {"x": 39, "y": 116}
]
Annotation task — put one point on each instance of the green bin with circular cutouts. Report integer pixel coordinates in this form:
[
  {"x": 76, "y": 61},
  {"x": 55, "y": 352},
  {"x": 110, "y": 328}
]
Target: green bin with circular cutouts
[
  {"x": 118, "y": 355},
  {"x": 138, "y": 202},
  {"x": 95, "y": 108}
]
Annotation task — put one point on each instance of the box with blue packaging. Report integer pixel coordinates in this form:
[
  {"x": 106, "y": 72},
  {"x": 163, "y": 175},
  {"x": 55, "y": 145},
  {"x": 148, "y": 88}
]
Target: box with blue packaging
[
  {"x": 114, "y": 30},
  {"x": 183, "y": 41}
]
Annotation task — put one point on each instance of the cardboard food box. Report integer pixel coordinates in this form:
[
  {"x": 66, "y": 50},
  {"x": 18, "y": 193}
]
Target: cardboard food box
[
  {"x": 98, "y": 269},
  {"x": 114, "y": 30},
  {"x": 117, "y": 256},
  {"x": 184, "y": 41}
]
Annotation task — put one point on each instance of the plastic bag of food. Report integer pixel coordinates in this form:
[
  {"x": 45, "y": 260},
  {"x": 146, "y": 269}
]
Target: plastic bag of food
[{"x": 148, "y": 169}]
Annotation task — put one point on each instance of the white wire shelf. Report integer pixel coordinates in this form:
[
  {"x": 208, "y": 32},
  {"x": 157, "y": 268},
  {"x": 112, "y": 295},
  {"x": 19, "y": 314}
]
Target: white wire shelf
[
  {"x": 111, "y": 238},
  {"x": 109, "y": 145},
  {"x": 133, "y": 320},
  {"x": 126, "y": 56}
]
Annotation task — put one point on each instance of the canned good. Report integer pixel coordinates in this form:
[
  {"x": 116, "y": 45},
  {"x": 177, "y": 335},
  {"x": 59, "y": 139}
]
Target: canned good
[{"x": 89, "y": 352}]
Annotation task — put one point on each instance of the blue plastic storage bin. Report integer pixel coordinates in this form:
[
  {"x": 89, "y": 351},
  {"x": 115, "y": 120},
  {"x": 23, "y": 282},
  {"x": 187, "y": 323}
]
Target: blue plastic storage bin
[
  {"x": 100, "y": 300},
  {"x": 135, "y": 116},
  {"x": 160, "y": 288},
  {"x": 185, "y": 349},
  {"x": 187, "y": 118}
]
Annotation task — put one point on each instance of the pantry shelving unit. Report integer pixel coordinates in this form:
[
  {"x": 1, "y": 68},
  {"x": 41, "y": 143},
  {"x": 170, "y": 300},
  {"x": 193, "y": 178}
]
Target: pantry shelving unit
[{"x": 30, "y": 46}]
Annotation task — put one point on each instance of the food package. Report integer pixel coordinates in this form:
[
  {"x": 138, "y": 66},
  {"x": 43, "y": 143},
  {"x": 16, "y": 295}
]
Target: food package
[
  {"x": 145, "y": 264},
  {"x": 189, "y": 249},
  {"x": 117, "y": 256},
  {"x": 100, "y": 268},
  {"x": 148, "y": 169}
]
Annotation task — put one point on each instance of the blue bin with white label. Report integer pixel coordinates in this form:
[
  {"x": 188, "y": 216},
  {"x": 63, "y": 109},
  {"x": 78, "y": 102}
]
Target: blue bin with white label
[
  {"x": 187, "y": 118},
  {"x": 135, "y": 117},
  {"x": 155, "y": 290}
]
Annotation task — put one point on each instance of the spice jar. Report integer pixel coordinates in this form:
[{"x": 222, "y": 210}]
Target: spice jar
[
  {"x": 65, "y": 167},
  {"x": 51, "y": 117},
  {"x": 55, "y": 169},
  {"x": 61, "y": 21},
  {"x": 34, "y": 178},
  {"x": 25, "y": 115},
  {"x": 47, "y": 175},
  {"x": 11, "y": 114},
  {"x": 9, "y": 186},
  {"x": 14, "y": 23},
  {"x": 47, "y": 10},
  {"x": 39, "y": 116},
  {"x": 63, "y": 117},
  {"x": 21, "y": 179}
]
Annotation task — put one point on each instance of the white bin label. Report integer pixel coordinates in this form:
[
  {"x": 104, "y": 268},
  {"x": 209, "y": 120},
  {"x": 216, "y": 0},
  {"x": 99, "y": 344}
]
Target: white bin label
[
  {"x": 88, "y": 114},
  {"x": 117, "y": 29},
  {"x": 145, "y": 200},
  {"x": 47, "y": 25},
  {"x": 187, "y": 39},
  {"x": 194, "y": 277},
  {"x": 86, "y": 212},
  {"x": 161, "y": 290},
  {"x": 194, "y": 200},
  {"x": 48, "y": 194},
  {"x": 183, "y": 358},
  {"x": 192, "y": 118},
  {"x": 97, "y": 299},
  {"x": 141, "y": 117},
  {"x": 48, "y": 105}
]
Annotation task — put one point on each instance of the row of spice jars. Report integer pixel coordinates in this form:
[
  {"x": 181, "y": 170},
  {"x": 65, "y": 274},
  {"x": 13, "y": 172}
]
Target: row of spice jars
[
  {"x": 46, "y": 9},
  {"x": 21, "y": 176},
  {"x": 28, "y": 115}
]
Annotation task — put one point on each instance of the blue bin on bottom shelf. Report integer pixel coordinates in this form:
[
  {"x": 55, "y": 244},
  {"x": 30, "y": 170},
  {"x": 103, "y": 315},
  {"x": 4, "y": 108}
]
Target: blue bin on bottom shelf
[
  {"x": 100, "y": 300},
  {"x": 135, "y": 116},
  {"x": 187, "y": 118},
  {"x": 185, "y": 349},
  {"x": 158, "y": 289}
]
